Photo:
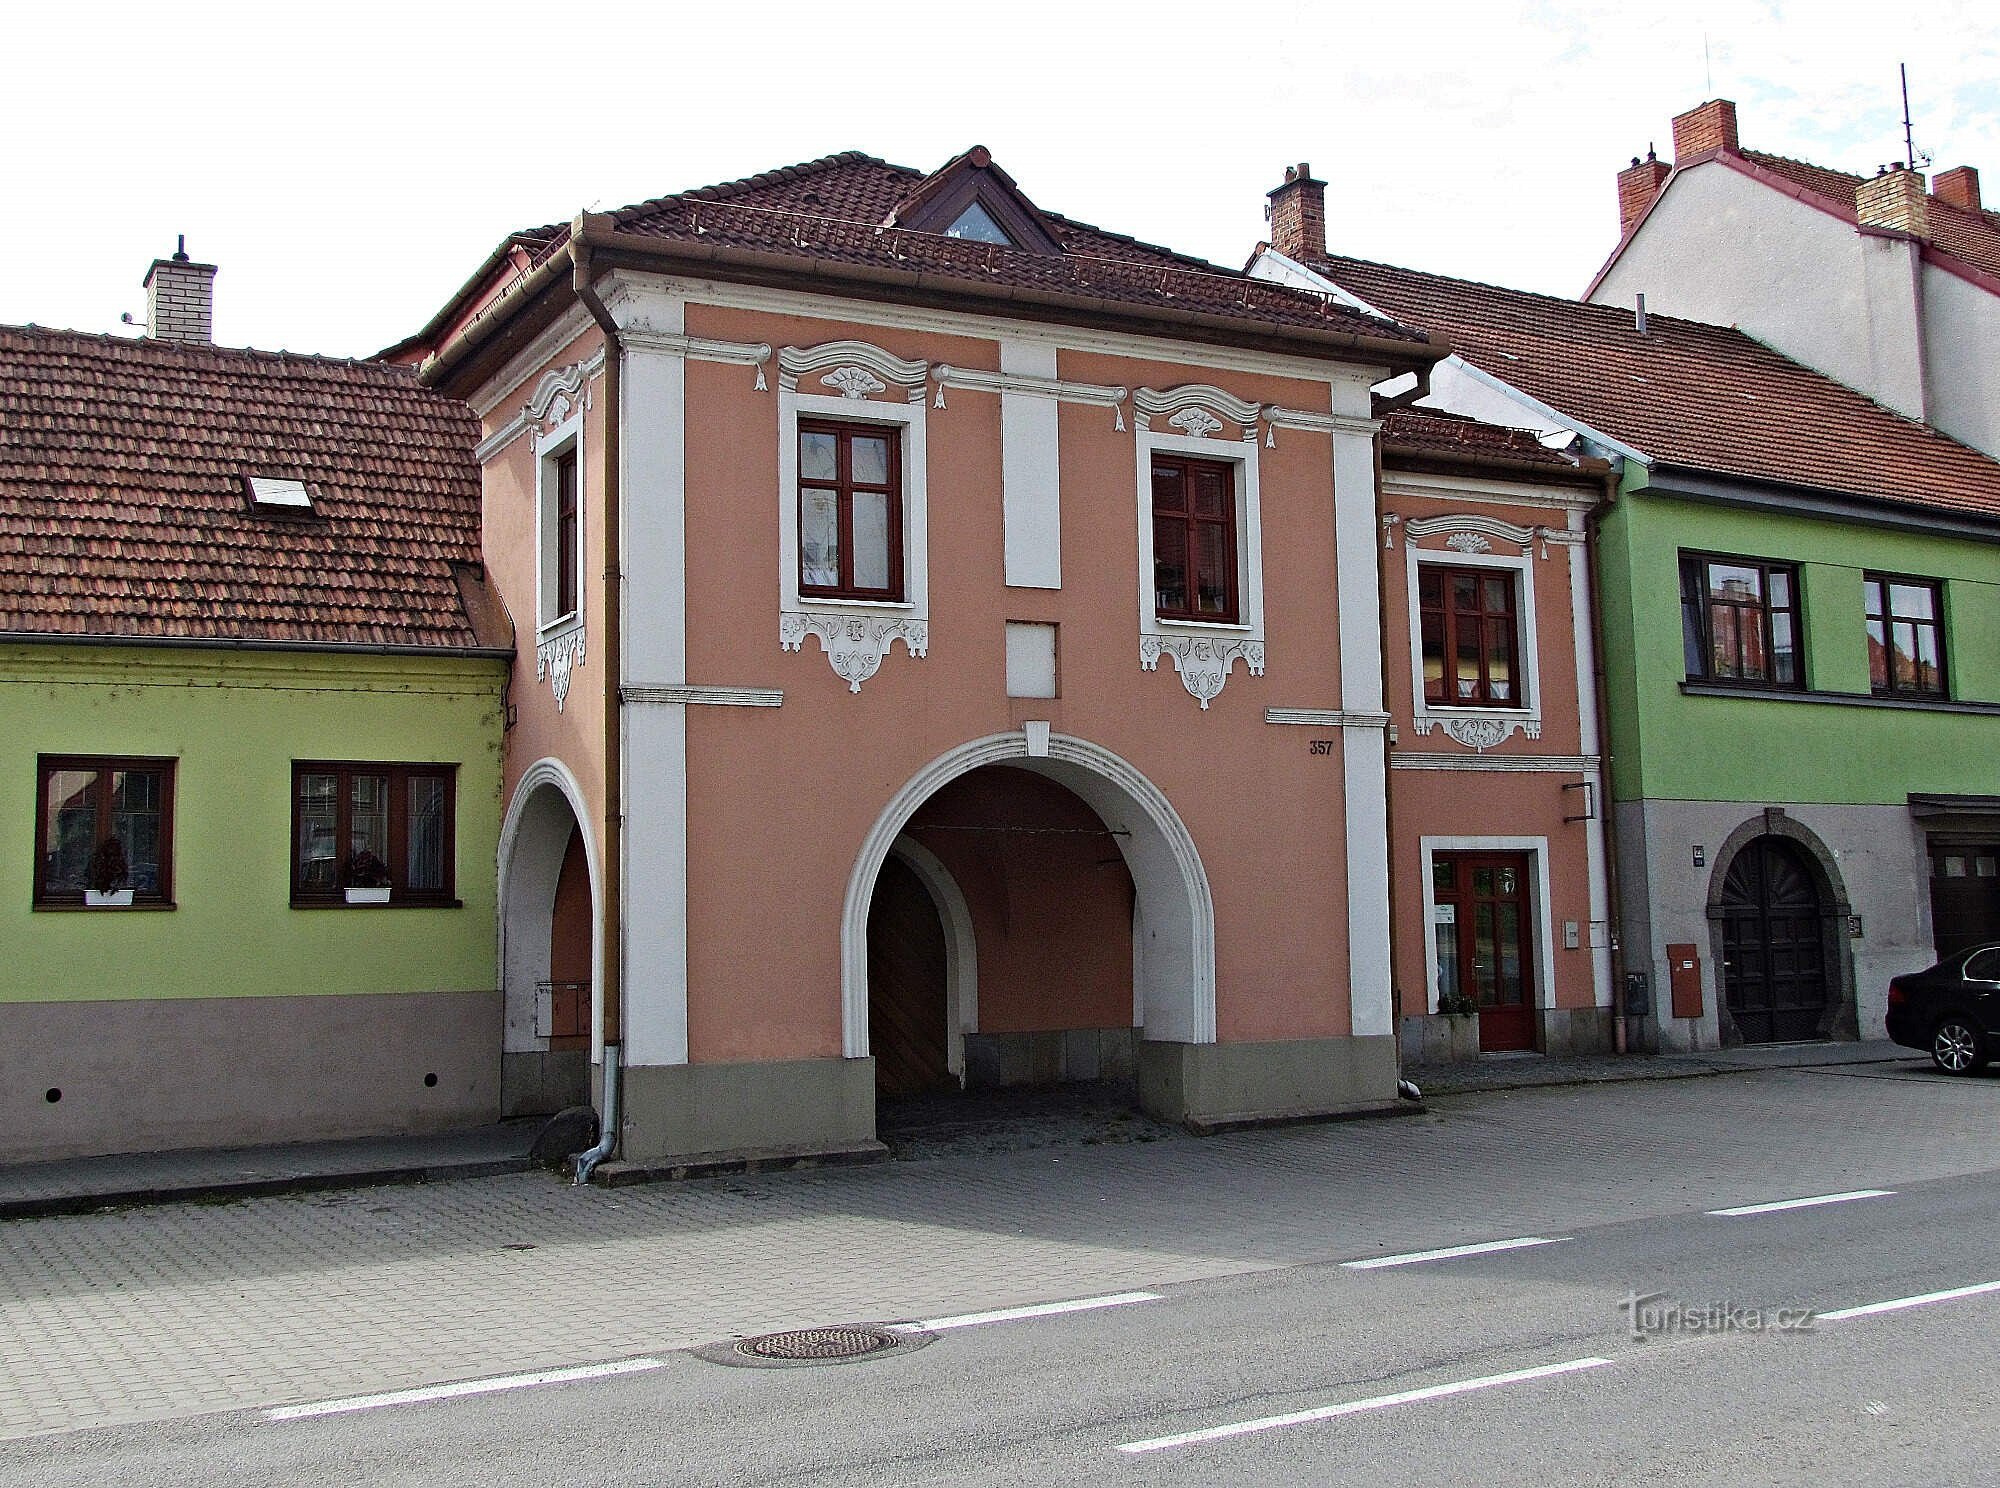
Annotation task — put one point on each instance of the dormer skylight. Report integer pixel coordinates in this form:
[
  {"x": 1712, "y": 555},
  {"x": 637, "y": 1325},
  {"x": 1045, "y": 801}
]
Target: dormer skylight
[
  {"x": 279, "y": 496},
  {"x": 976, "y": 224}
]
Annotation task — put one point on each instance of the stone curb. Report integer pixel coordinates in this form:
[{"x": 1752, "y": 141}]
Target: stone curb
[{"x": 208, "y": 1191}]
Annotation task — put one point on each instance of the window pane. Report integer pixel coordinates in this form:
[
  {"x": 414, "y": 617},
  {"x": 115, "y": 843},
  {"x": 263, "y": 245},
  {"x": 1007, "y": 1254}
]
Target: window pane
[
  {"x": 1168, "y": 494},
  {"x": 976, "y": 224},
  {"x": 135, "y": 821},
  {"x": 1878, "y": 655},
  {"x": 70, "y": 814},
  {"x": 1468, "y": 659},
  {"x": 1170, "y": 577},
  {"x": 1781, "y": 589},
  {"x": 1443, "y": 873},
  {"x": 426, "y": 868},
  {"x": 1500, "y": 661},
  {"x": 1784, "y": 654},
  {"x": 319, "y": 802},
  {"x": 1692, "y": 654},
  {"x": 1930, "y": 674},
  {"x": 1902, "y": 655},
  {"x": 1723, "y": 655},
  {"x": 1212, "y": 568},
  {"x": 1446, "y": 933},
  {"x": 871, "y": 540},
  {"x": 819, "y": 456},
  {"x": 819, "y": 539},
  {"x": 368, "y": 815},
  {"x": 1913, "y": 601},
  {"x": 1509, "y": 989},
  {"x": 1465, "y": 591},
  {"x": 1433, "y": 632},
  {"x": 1732, "y": 581},
  {"x": 870, "y": 456},
  {"x": 1211, "y": 493},
  {"x": 1430, "y": 587},
  {"x": 1871, "y": 598},
  {"x": 1497, "y": 591}
]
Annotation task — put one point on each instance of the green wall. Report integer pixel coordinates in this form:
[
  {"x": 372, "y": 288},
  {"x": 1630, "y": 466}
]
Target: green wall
[
  {"x": 1671, "y": 746},
  {"x": 235, "y": 721}
]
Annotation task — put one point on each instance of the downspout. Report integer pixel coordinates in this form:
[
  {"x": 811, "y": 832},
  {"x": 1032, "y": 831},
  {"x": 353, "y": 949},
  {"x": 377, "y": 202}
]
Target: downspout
[
  {"x": 613, "y": 920},
  {"x": 1607, "y": 824},
  {"x": 1404, "y": 1088}
]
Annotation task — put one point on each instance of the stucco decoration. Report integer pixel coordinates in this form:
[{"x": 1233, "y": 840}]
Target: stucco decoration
[
  {"x": 1482, "y": 733},
  {"x": 560, "y": 394},
  {"x": 1476, "y": 534},
  {"x": 1098, "y": 394},
  {"x": 854, "y": 644},
  {"x": 849, "y": 367},
  {"x": 1204, "y": 662},
  {"x": 555, "y": 658},
  {"x": 1206, "y": 402},
  {"x": 1468, "y": 542}
]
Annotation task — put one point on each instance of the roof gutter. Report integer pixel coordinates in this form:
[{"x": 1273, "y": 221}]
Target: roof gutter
[
  {"x": 253, "y": 643},
  {"x": 612, "y": 919}
]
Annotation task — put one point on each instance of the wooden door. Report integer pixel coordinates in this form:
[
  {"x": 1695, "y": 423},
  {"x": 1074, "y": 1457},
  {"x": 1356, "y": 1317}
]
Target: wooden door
[
  {"x": 1965, "y": 895},
  {"x": 907, "y": 1030},
  {"x": 1485, "y": 942},
  {"x": 1773, "y": 954},
  {"x": 571, "y": 930}
]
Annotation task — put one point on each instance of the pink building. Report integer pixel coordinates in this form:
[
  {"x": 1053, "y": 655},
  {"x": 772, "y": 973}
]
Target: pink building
[{"x": 957, "y": 656}]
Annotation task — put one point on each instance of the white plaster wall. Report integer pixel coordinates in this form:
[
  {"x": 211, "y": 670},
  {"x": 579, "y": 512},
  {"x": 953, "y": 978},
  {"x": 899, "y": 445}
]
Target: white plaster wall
[
  {"x": 1889, "y": 270},
  {"x": 1962, "y": 358}
]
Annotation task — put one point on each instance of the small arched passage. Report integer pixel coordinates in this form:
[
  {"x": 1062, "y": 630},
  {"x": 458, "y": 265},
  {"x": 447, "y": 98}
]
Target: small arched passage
[
  {"x": 1778, "y": 919},
  {"x": 548, "y": 936},
  {"x": 1174, "y": 919}
]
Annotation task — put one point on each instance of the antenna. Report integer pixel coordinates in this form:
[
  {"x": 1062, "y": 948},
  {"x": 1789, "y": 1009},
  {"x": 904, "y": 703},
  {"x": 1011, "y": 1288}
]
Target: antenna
[
  {"x": 1707, "y": 69},
  {"x": 1911, "y": 156}
]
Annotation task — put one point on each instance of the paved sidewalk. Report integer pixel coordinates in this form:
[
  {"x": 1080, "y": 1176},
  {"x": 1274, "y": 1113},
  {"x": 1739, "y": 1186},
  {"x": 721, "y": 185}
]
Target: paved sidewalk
[
  {"x": 85, "y": 1183},
  {"x": 1524, "y": 1071}
]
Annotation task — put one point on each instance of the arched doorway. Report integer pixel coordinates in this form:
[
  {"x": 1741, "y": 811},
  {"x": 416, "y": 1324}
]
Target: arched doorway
[
  {"x": 1775, "y": 965},
  {"x": 549, "y": 951},
  {"x": 1136, "y": 840},
  {"x": 908, "y": 986}
]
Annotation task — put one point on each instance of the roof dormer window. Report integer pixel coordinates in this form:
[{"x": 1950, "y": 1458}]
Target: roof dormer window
[
  {"x": 276, "y": 495},
  {"x": 976, "y": 224}
]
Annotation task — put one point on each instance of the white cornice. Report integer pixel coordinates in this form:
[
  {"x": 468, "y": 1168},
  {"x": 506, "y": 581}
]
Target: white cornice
[
  {"x": 1199, "y": 398},
  {"x": 974, "y": 379},
  {"x": 1319, "y": 423},
  {"x": 703, "y": 349},
  {"x": 521, "y": 366},
  {"x": 839, "y": 362},
  {"x": 551, "y": 402},
  {"x": 1496, "y": 491},
  {"x": 1326, "y": 718},
  {"x": 1547, "y": 764},
  {"x": 1478, "y": 529},
  {"x": 721, "y": 697}
]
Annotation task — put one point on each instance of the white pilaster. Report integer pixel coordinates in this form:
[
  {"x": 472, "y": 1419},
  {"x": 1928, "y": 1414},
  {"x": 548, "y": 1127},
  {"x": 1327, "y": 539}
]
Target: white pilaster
[
  {"x": 1030, "y": 470},
  {"x": 1580, "y": 557}
]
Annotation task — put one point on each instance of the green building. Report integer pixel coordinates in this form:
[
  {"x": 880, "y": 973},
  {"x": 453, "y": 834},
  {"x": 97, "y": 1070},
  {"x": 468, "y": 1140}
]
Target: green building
[
  {"x": 245, "y": 637},
  {"x": 1799, "y": 611}
]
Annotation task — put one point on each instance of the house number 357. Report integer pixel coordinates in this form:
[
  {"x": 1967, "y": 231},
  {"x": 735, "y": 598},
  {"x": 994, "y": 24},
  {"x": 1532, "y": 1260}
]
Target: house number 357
[{"x": 1319, "y": 746}]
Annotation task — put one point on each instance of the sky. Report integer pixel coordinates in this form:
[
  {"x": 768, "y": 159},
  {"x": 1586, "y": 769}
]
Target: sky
[{"x": 348, "y": 166}]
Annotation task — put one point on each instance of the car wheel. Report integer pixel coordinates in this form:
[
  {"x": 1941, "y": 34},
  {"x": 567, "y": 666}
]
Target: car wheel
[{"x": 1956, "y": 1047}]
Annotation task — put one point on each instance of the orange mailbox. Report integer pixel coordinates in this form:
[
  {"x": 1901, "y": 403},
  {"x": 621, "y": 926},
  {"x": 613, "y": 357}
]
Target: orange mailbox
[{"x": 1684, "y": 980}]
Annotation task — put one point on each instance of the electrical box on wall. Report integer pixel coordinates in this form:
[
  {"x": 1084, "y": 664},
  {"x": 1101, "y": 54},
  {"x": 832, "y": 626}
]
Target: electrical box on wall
[{"x": 1684, "y": 980}]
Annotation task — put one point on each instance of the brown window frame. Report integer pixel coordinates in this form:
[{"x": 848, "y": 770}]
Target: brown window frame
[
  {"x": 398, "y": 860},
  {"x": 844, "y": 486},
  {"x": 1883, "y": 585},
  {"x": 1698, "y": 605},
  {"x": 1191, "y": 525},
  {"x": 1484, "y": 620},
  {"x": 105, "y": 765},
  {"x": 568, "y": 506}
]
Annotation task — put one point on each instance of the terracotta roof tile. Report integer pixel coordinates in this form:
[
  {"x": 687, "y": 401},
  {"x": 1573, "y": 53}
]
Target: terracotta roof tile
[
  {"x": 1434, "y": 432},
  {"x": 1701, "y": 396},
  {"x": 1973, "y": 237},
  {"x": 1836, "y": 186},
  {"x": 123, "y": 508}
]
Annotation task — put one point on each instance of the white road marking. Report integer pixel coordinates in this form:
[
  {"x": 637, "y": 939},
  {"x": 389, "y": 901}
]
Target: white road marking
[
  {"x": 1899, "y": 1303},
  {"x": 1355, "y": 1407},
  {"x": 1813, "y": 1202},
  {"x": 1520, "y": 1242},
  {"x": 463, "y": 1387},
  {"x": 1008, "y": 1314}
]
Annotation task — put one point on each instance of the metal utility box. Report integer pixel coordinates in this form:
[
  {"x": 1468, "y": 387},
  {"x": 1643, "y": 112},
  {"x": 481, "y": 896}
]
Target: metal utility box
[{"x": 1684, "y": 980}]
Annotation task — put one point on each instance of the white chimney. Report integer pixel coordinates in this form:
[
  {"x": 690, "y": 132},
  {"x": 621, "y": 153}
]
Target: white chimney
[{"x": 180, "y": 298}]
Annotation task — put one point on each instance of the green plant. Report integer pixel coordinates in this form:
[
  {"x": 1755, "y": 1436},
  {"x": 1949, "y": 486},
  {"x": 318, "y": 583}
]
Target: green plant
[
  {"x": 1458, "y": 1005},
  {"x": 363, "y": 870},
  {"x": 108, "y": 870}
]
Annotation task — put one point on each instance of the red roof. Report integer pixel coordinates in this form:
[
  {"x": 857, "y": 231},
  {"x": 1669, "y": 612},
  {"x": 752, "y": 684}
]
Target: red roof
[
  {"x": 1700, "y": 396},
  {"x": 1971, "y": 236},
  {"x": 1435, "y": 434},
  {"x": 124, "y": 509}
]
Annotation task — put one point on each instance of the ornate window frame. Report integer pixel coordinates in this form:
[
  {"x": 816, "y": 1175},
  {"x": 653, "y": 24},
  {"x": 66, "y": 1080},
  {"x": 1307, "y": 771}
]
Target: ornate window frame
[
  {"x": 864, "y": 385},
  {"x": 1468, "y": 542},
  {"x": 1204, "y": 652},
  {"x": 560, "y": 640}
]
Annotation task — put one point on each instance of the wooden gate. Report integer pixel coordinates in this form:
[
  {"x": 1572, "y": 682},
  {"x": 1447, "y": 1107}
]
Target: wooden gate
[
  {"x": 1774, "y": 954},
  {"x": 907, "y": 1030}
]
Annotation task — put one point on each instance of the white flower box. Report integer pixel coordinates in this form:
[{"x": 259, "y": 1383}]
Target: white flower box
[
  {"x": 368, "y": 896},
  {"x": 116, "y": 899}
]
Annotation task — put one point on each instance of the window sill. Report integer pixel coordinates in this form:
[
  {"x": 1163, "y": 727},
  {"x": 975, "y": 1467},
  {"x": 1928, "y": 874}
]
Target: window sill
[
  {"x": 572, "y": 621},
  {"x": 1235, "y": 627},
  {"x": 1838, "y": 699},
  {"x": 833, "y": 602},
  {"x": 1475, "y": 710},
  {"x": 154, "y": 906},
  {"x": 387, "y": 904}
]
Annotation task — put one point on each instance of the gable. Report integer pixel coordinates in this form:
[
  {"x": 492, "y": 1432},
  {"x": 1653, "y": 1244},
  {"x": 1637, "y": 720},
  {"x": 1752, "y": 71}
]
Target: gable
[{"x": 970, "y": 197}]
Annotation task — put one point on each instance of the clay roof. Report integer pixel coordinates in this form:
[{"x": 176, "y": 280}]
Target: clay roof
[
  {"x": 124, "y": 509},
  {"x": 1835, "y": 185},
  {"x": 833, "y": 210},
  {"x": 1435, "y": 434},
  {"x": 1971, "y": 236},
  {"x": 1704, "y": 397}
]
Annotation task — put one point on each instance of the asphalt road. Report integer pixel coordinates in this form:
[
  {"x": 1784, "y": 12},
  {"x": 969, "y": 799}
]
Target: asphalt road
[{"x": 1513, "y": 1366}]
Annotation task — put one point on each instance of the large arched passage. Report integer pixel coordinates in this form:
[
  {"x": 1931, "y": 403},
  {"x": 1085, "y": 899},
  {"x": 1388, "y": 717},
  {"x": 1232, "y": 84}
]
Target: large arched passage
[
  {"x": 550, "y": 951},
  {"x": 1777, "y": 911},
  {"x": 1172, "y": 933}
]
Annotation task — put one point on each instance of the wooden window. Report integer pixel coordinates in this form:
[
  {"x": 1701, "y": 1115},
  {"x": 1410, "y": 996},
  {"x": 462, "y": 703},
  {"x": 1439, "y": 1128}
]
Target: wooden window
[
  {"x": 850, "y": 511},
  {"x": 1471, "y": 637},
  {"x": 1905, "y": 635},
  {"x": 81, "y": 801},
  {"x": 566, "y": 532},
  {"x": 1740, "y": 621},
  {"x": 353, "y": 824},
  {"x": 1194, "y": 539}
]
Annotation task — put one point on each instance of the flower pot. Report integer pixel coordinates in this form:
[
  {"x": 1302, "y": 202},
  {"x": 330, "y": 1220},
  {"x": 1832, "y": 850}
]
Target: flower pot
[
  {"x": 368, "y": 896},
  {"x": 116, "y": 899}
]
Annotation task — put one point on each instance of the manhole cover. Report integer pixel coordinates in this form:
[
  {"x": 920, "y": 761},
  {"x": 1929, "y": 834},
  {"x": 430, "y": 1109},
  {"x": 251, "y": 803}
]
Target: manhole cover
[{"x": 813, "y": 1345}]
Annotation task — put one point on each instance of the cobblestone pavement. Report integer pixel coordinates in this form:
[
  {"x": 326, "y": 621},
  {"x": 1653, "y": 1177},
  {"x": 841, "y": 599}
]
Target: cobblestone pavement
[{"x": 162, "y": 1311}]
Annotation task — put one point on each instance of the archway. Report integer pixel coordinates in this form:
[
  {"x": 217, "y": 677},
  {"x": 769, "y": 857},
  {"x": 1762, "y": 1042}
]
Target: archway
[
  {"x": 1173, "y": 915},
  {"x": 550, "y": 948},
  {"x": 1778, "y": 926}
]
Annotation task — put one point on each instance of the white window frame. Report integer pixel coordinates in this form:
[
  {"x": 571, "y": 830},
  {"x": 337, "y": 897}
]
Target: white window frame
[
  {"x": 905, "y": 421},
  {"x": 1248, "y": 627},
  {"x": 1527, "y": 643},
  {"x": 564, "y": 438},
  {"x": 1537, "y": 849}
]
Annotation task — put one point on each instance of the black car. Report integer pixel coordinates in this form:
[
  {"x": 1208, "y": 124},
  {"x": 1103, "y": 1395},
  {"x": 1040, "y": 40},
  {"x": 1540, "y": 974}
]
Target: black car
[{"x": 1951, "y": 1011}]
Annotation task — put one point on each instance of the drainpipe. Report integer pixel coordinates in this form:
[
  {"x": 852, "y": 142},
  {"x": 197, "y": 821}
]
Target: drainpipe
[
  {"x": 1389, "y": 795},
  {"x": 1607, "y": 825},
  {"x": 610, "y": 992}
]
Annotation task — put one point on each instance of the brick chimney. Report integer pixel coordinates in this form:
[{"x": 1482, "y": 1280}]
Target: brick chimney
[
  {"x": 1712, "y": 126},
  {"x": 180, "y": 298},
  {"x": 1959, "y": 186},
  {"x": 1298, "y": 214},
  {"x": 1895, "y": 199},
  {"x": 1638, "y": 184}
]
